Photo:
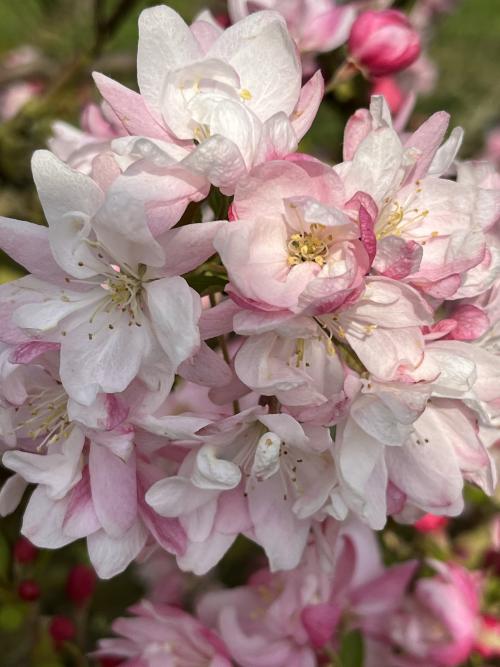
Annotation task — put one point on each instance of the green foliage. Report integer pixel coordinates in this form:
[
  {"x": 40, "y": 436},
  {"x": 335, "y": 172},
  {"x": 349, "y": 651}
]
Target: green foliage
[{"x": 351, "y": 650}]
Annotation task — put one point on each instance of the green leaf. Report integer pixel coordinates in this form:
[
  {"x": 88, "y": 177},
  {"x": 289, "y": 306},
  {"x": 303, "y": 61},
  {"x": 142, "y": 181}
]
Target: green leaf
[
  {"x": 351, "y": 649},
  {"x": 44, "y": 653},
  {"x": 206, "y": 284},
  {"x": 11, "y": 617},
  {"x": 219, "y": 203}
]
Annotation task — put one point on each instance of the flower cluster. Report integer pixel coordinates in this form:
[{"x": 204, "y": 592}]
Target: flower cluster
[
  {"x": 298, "y": 618},
  {"x": 220, "y": 335}
]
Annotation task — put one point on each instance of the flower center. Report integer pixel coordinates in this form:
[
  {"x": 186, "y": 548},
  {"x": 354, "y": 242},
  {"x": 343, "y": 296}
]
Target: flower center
[
  {"x": 396, "y": 219},
  {"x": 124, "y": 293},
  {"x": 309, "y": 246},
  {"x": 45, "y": 415}
]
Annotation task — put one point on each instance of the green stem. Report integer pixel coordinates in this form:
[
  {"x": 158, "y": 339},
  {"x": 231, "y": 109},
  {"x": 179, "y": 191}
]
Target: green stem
[{"x": 344, "y": 73}]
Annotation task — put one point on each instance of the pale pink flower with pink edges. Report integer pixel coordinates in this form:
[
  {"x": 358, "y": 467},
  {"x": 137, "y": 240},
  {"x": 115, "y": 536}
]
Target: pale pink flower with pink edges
[
  {"x": 418, "y": 441},
  {"x": 211, "y": 100},
  {"x": 302, "y": 373},
  {"x": 292, "y": 247},
  {"x": 267, "y": 467},
  {"x": 103, "y": 286},
  {"x": 430, "y": 231},
  {"x": 160, "y": 635},
  {"x": 104, "y": 501}
]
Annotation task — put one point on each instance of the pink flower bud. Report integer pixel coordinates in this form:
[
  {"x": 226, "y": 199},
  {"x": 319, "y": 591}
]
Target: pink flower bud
[
  {"x": 383, "y": 42},
  {"x": 388, "y": 87},
  {"x": 430, "y": 523},
  {"x": 80, "y": 584}
]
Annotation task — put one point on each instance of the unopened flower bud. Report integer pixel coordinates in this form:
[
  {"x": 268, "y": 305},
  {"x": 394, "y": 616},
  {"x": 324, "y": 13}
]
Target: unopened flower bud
[
  {"x": 110, "y": 662},
  {"x": 430, "y": 523},
  {"x": 383, "y": 42},
  {"x": 62, "y": 629},
  {"x": 80, "y": 584},
  {"x": 388, "y": 87},
  {"x": 24, "y": 551},
  {"x": 28, "y": 590}
]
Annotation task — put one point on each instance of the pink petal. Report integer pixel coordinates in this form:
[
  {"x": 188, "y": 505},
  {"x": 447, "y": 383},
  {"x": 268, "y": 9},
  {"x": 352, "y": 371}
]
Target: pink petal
[
  {"x": 308, "y": 104},
  {"x": 28, "y": 245},
  {"x": 357, "y": 128},
  {"x": 218, "y": 320},
  {"x": 188, "y": 246},
  {"x": 114, "y": 490},
  {"x": 472, "y": 323},
  {"x": 207, "y": 368},
  {"x": 25, "y": 353},
  {"x": 130, "y": 109},
  {"x": 427, "y": 140},
  {"x": 320, "y": 621},
  {"x": 80, "y": 519}
]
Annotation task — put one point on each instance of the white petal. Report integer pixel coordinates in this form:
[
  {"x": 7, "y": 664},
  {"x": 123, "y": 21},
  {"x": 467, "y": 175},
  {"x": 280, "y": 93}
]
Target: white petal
[
  {"x": 211, "y": 472},
  {"x": 165, "y": 42},
  {"x": 267, "y": 456},
  {"x": 175, "y": 310}
]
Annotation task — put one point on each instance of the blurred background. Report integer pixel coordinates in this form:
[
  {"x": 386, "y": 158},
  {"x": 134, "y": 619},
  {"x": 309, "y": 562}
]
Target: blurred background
[{"x": 48, "y": 49}]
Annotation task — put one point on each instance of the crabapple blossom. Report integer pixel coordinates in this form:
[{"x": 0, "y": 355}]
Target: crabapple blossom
[
  {"x": 438, "y": 624},
  {"x": 268, "y": 461},
  {"x": 102, "y": 287},
  {"x": 430, "y": 231},
  {"x": 159, "y": 634},
  {"x": 215, "y": 101}
]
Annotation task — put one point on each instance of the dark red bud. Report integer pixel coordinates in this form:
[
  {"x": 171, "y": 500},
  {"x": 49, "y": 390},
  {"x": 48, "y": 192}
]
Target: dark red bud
[
  {"x": 62, "y": 629},
  {"x": 28, "y": 590},
  {"x": 80, "y": 584},
  {"x": 24, "y": 551},
  {"x": 492, "y": 561},
  {"x": 110, "y": 662}
]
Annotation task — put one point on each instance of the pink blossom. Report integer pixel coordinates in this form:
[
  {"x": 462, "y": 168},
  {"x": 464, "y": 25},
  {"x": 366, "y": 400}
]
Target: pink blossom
[
  {"x": 205, "y": 97},
  {"x": 162, "y": 635},
  {"x": 86, "y": 490},
  {"x": 15, "y": 95},
  {"x": 289, "y": 617},
  {"x": 383, "y": 42},
  {"x": 290, "y": 226},
  {"x": 439, "y": 623},
  {"x": 258, "y": 464},
  {"x": 103, "y": 286},
  {"x": 430, "y": 231}
]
